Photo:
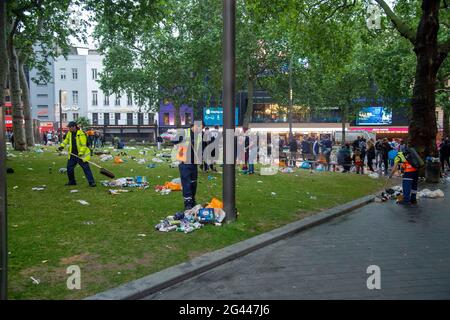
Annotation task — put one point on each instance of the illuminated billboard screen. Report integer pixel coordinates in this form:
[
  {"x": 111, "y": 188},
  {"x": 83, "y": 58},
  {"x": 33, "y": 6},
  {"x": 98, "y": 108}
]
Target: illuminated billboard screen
[{"x": 374, "y": 116}]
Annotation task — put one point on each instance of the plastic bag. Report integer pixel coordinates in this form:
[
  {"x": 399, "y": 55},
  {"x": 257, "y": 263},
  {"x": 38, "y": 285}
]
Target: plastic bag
[
  {"x": 269, "y": 171},
  {"x": 172, "y": 186},
  {"x": 215, "y": 203},
  {"x": 117, "y": 160}
]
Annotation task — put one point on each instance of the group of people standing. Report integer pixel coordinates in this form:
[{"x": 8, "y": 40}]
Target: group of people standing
[
  {"x": 50, "y": 137},
  {"x": 377, "y": 155},
  {"x": 311, "y": 149},
  {"x": 95, "y": 138}
]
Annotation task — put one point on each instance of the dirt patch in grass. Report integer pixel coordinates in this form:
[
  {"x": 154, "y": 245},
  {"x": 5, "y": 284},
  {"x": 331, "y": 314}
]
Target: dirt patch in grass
[{"x": 84, "y": 257}]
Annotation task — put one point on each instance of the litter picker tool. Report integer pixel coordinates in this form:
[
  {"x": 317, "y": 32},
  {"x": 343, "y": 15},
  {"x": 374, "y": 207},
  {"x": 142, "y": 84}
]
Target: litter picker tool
[{"x": 103, "y": 171}]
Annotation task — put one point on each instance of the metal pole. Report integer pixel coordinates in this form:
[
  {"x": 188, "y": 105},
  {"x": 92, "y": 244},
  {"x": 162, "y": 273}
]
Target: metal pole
[
  {"x": 3, "y": 208},
  {"x": 229, "y": 78},
  {"x": 60, "y": 117},
  {"x": 290, "y": 100}
]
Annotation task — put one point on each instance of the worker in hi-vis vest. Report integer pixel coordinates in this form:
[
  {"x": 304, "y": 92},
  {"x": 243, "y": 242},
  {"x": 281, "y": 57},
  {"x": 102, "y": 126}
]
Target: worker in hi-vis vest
[
  {"x": 189, "y": 153},
  {"x": 79, "y": 153},
  {"x": 410, "y": 179}
]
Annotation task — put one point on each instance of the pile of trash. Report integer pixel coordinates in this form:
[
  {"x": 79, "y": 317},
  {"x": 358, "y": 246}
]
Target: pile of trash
[
  {"x": 391, "y": 193},
  {"x": 168, "y": 187},
  {"x": 396, "y": 193},
  {"x": 133, "y": 182},
  {"x": 106, "y": 157},
  {"x": 287, "y": 170},
  {"x": 193, "y": 219},
  {"x": 426, "y": 193}
]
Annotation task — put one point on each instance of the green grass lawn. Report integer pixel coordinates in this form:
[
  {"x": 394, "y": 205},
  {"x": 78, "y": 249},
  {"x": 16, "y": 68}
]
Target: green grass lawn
[{"x": 48, "y": 230}]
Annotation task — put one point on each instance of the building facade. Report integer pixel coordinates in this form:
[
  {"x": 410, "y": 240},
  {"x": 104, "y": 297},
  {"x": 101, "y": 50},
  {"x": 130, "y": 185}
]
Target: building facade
[{"x": 75, "y": 82}]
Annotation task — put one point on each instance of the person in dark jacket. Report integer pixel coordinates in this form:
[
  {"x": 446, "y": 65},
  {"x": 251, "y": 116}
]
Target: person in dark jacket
[
  {"x": 370, "y": 154},
  {"x": 327, "y": 147},
  {"x": 385, "y": 148},
  {"x": 344, "y": 158},
  {"x": 293, "y": 150},
  {"x": 444, "y": 154}
]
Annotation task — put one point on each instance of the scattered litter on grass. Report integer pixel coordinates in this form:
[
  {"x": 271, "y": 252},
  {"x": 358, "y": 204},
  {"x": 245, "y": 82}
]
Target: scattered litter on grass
[
  {"x": 141, "y": 161},
  {"x": 157, "y": 160},
  {"x": 11, "y": 155},
  {"x": 106, "y": 157},
  {"x": 287, "y": 170},
  {"x": 269, "y": 171},
  {"x": 117, "y": 191},
  {"x": 374, "y": 175},
  {"x": 259, "y": 181},
  {"x": 15, "y": 187},
  {"x": 73, "y": 191},
  {"x": 175, "y": 164},
  {"x": 137, "y": 182},
  {"x": 44, "y": 261},
  {"x": 35, "y": 281},
  {"x": 142, "y": 235},
  {"x": 273, "y": 193},
  {"x": 62, "y": 170},
  {"x": 151, "y": 165},
  {"x": 31, "y": 169},
  {"x": 83, "y": 202},
  {"x": 39, "y": 188},
  {"x": 88, "y": 223},
  {"x": 313, "y": 198}
]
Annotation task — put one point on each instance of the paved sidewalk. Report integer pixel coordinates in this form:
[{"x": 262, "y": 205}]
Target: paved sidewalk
[{"x": 410, "y": 245}]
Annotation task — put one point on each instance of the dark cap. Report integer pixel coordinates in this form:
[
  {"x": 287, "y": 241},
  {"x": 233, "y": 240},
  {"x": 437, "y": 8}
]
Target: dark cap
[{"x": 72, "y": 124}]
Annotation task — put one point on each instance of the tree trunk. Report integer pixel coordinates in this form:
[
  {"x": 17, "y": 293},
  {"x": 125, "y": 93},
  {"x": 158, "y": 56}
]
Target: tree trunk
[
  {"x": 29, "y": 132},
  {"x": 177, "y": 115},
  {"x": 343, "y": 122},
  {"x": 16, "y": 101},
  {"x": 423, "y": 126},
  {"x": 446, "y": 122},
  {"x": 249, "y": 112}
]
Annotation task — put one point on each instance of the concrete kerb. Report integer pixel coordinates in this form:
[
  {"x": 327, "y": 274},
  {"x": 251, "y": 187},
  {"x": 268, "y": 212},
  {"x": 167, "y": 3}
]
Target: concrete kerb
[{"x": 163, "y": 279}]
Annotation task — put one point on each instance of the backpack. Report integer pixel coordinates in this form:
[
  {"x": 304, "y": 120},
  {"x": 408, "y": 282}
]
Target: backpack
[{"x": 413, "y": 158}]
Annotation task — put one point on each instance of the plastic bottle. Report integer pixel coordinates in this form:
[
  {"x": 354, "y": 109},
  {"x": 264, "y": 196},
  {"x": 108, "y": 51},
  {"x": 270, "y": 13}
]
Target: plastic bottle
[{"x": 188, "y": 230}]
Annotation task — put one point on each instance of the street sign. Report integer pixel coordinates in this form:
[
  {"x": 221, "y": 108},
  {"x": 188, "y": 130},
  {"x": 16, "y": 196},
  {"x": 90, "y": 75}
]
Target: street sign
[{"x": 213, "y": 116}]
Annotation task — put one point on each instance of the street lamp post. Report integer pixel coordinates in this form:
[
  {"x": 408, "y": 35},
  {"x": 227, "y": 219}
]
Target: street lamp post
[
  {"x": 60, "y": 116},
  {"x": 290, "y": 100},
  {"x": 229, "y": 78}
]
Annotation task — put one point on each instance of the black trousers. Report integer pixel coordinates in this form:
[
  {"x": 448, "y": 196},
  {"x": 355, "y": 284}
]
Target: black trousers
[
  {"x": 73, "y": 161},
  {"x": 188, "y": 175}
]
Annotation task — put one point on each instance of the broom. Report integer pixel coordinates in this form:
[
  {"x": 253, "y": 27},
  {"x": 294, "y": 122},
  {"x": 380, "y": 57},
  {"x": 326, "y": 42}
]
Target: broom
[{"x": 103, "y": 171}]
